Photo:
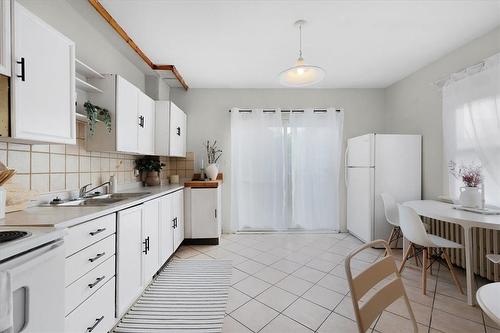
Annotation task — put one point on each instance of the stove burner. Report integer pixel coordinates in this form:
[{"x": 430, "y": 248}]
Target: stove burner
[{"x": 6, "y": 236}]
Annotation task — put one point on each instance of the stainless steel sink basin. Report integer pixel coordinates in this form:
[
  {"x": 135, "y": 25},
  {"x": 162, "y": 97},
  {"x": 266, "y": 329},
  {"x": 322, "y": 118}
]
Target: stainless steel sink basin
[
  {"x": 90, "y": 202},
  {"x": 123, "y": 195},
  {"x": 101, "y": 200}
]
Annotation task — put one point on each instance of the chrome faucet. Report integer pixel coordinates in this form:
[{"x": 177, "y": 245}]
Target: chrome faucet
[{"x": 84, "y": 192}]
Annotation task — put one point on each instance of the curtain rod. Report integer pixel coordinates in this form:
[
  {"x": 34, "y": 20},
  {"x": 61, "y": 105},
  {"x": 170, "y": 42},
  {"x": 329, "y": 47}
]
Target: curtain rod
[
  {"x": 287, "y": 110},
  {"x": 472, "y": 69}
]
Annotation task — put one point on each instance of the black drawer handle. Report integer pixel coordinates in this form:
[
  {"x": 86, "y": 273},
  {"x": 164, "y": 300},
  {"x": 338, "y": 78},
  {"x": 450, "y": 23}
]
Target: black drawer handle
[
  {"x": 98, "y": 231},
  {"x": 178, "y": 131},
  {"x": 141, "y": 121},
  {"x": 23, "y": 68},
  {"x": 97, "y": 321},
  {"x": 99, "y": 279},
  {"x": 97, "y": 257},
  {"x": 146, "y": 245}
]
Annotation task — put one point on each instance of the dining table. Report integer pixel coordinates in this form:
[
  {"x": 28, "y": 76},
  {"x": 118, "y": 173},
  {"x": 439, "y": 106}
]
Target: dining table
[{"x": 467, "y": 220}]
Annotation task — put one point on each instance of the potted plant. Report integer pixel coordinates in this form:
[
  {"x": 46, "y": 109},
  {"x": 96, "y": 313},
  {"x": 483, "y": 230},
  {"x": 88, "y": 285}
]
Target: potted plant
[
  {"x": 95, "y": 113},
  {"x": 149, "y": 167},
  {"x": 213, "y": 155},
  {"x": 471, "y": 177}
]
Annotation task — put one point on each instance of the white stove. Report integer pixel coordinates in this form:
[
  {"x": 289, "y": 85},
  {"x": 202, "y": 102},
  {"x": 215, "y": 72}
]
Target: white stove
[
  {"x": 16, "y": 240},
  {"x": 31, "y": 277}
]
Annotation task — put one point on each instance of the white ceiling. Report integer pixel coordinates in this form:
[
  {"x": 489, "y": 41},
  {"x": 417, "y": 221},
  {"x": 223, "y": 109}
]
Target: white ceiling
[{"x": 245, "y": 44}]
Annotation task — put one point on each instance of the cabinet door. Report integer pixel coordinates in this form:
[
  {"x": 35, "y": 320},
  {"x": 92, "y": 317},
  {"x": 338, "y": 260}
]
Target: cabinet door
[
  {"x": 150, "y": 261},
  {"x": 146, "y": 113},
  {"x": 166, "y": 229},
  {"x": 129, "y": 249},
  {"x": 178, "y": 209},
  {"x": 43, "y": 85},
  {"x": 204, "y": 215},
  {"x": 5, "y": 37},
  {"x": 127, "y": 121},
  {"x": 177, "y": 131},
  {"x": 162, "y": 128}
]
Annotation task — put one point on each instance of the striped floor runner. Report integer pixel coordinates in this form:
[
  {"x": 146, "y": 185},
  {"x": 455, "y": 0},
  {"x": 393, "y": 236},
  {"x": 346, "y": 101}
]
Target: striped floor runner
[{"x": 187, "y": 296}]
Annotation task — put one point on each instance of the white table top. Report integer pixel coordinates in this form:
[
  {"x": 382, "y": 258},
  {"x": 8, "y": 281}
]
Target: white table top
[
  {"x": 445, "y": 212},
  {"x": 487, "y": 297}
]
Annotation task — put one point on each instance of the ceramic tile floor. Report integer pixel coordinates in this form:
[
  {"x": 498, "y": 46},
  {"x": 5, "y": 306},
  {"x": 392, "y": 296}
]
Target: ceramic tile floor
[{"x": 296, "y": 283}]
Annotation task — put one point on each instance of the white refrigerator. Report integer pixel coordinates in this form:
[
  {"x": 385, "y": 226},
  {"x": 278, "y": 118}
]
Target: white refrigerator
[{"x": 377, "y": 163}]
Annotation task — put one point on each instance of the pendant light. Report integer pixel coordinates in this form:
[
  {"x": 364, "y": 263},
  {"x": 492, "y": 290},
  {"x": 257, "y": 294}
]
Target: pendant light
[{"x": 301, "y": 75}]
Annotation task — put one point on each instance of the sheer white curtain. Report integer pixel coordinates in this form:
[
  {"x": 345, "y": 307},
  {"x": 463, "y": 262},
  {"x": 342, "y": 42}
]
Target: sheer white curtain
[
  {"x": 471, "y": 124},
  {"x": 315, "y": 146},
  {"x": 257, "y": 170}
]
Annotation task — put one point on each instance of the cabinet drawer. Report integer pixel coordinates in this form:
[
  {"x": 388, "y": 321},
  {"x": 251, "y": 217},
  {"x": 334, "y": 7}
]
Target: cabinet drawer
[
  {"x": 80, "y": 263},
  {"x": 88, "y": 284},
  {"x": 97, "y": 314},
  {"x": 88, "y": 233}
]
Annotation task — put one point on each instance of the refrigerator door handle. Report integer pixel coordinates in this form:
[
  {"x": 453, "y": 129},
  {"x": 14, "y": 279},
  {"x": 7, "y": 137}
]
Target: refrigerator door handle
[{"x": 345, "y": 165}]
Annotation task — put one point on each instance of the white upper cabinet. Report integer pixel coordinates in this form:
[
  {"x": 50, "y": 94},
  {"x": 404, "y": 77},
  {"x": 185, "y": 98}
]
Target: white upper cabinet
[
  {"x": 170, "y": 137},
  {"x": 146, "y": 116},
  {"x": 132, "y": 118},
  {"x": 162, "y": 128},
  {"x": 178, "y": 124},
  {"x": 5, "y": 62},
  {"x": 43, "y": 81},
  {"x": 127, "y": 120}
]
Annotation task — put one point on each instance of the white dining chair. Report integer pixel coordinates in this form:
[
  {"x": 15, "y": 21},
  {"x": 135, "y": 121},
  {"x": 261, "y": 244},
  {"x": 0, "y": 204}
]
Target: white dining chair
[
  {"x": 432, "y": 247},
  {"x": 392, "y": 217}
]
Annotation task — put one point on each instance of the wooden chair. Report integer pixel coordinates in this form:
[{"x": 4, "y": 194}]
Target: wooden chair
[
  {"x": 383, "y": 269},
  {"x": 432, "y": 247}
]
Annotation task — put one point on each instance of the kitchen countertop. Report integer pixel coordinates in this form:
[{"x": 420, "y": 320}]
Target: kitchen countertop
[{"x": 63, "y": 217}]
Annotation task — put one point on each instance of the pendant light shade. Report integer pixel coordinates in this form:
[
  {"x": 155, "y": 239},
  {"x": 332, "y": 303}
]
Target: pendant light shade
[{"x": 301, "y": 75}]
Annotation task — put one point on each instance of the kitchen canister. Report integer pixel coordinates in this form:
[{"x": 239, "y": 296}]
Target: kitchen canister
[{"x": 174, "y": 179}]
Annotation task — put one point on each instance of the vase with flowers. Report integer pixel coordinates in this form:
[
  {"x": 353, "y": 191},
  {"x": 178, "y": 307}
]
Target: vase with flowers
[
  {"x": 471, "y": 177},
  {"x": 149, "y": 167},
  {"x": 213, "y": 155}
]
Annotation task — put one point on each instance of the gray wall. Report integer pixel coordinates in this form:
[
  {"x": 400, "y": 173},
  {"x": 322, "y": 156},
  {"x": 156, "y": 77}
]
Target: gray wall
[
  {"x": 209, "y": 117},
  {"x": 413, "y": 105}
]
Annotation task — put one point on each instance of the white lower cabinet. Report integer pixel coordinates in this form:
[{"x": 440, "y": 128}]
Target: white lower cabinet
[
  {"x": 96, "y": 314},
  {"x": 166, "y": 226},
  {"x": 147, "y": 235},
  {"x": 90, "y": 276},
  {"x": 203, "y": 213},
  {"x": 129, "y": 249},
  {"x": 178, "y": 216},
  {"x": 150, "y": 215}
]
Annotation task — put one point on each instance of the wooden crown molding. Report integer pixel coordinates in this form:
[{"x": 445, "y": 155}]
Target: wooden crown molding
[{"x": 123, "y": 34}]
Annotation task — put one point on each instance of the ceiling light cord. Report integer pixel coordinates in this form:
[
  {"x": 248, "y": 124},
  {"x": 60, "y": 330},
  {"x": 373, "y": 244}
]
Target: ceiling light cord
[{"x": 300, "y": 41}]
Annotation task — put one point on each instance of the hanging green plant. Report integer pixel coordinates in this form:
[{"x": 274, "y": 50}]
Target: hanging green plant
[{"x": 95, "y": 113}]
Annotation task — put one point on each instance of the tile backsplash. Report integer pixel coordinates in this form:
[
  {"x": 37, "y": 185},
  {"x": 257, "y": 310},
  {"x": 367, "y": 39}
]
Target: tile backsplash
[{"x": 56, "y": 167}]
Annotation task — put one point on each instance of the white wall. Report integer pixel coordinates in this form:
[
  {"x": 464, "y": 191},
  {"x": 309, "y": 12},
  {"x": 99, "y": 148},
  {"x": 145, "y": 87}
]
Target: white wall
[
  {"x": 413, "y": 105},
  {"x": 209, "y": 117}
]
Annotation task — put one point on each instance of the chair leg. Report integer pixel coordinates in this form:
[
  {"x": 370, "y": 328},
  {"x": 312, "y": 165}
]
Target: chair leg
[
  {"x": 414, "y": 253},
  {"x": 405, "y": 257},
  {"x": 389, "y": 241},
  {"x": 452, "y": 271},
  {"x": 424, "y": 271}
]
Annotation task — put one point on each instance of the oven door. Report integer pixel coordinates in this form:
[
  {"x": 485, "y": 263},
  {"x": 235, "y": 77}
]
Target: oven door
[{"x": 38, "y": 289}]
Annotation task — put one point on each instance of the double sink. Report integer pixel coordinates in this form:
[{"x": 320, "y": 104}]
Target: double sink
[{"x": 100, "y": 200}]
